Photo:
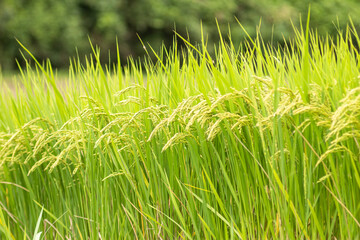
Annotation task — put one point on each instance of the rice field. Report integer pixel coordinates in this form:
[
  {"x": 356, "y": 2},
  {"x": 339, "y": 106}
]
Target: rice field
[{"x": 256, "y": 142}]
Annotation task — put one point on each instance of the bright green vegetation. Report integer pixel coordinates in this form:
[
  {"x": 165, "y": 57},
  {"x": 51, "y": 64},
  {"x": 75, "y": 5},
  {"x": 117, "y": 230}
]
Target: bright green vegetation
[{"x": 258, "y": 142}]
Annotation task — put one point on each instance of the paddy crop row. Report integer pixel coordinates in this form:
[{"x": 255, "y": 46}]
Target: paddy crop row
[{"x": 256, "y": 142}]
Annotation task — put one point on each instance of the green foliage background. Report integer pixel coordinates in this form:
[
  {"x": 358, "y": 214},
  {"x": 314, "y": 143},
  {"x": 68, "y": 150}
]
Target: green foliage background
[{"x": 57, "y": 29}]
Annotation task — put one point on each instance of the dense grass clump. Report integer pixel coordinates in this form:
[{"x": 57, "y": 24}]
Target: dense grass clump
[{"x": 259, "y": 142}]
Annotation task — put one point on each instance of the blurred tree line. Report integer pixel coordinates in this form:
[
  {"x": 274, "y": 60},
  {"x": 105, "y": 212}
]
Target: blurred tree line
[{"x": 58, "y": 29}]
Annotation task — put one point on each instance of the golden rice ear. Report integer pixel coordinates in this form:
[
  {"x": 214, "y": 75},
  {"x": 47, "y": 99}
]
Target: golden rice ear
[
  {"x": 125, "y": 90},
  {"x": 346, "y": 117},
  {"x": 334, "y": 148},
  {"x": 159, "y": 126},
  {"x": 176, "y": 139},
  {"x": 122, "y": 120},
  {"x": 51, "y": 159}
]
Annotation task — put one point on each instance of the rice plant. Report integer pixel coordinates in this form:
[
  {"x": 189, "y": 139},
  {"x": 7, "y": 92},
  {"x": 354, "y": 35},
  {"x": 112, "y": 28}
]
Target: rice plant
[{"x": 256, "y": 142}]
